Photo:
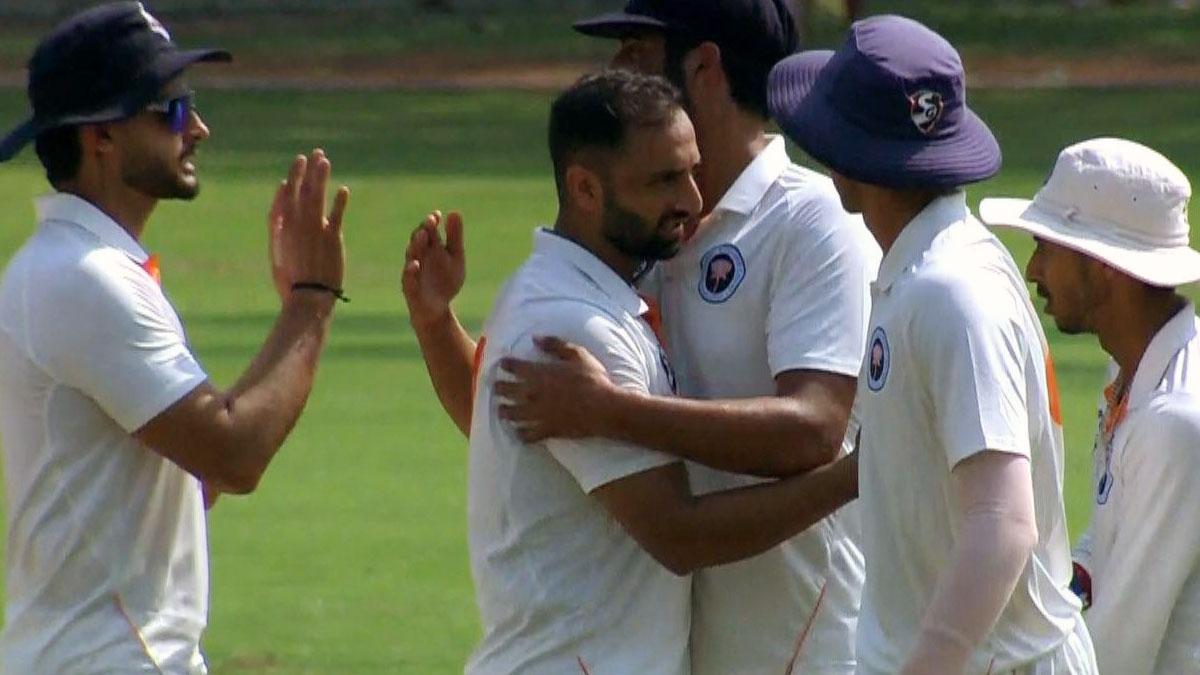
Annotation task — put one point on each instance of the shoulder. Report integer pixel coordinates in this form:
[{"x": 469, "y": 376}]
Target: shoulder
[
  {"x": 66, "y": 273},
  {"x": 810, "y": 221},
  {"x": 953, "y": 298},
  {"x": 1170, "y": 424}
]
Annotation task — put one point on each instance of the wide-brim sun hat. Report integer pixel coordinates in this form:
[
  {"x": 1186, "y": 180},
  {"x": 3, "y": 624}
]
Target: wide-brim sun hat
[
  {"x": 1114, "y": 200},
  {"x": 888, "y": 108}
]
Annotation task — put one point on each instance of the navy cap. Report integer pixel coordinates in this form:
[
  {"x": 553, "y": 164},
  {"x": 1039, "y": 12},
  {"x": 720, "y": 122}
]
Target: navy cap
[
  {"x": 888, "y": 108},
  {"x": 760, "y": 30},
  {"x": 103, "y": 64}
]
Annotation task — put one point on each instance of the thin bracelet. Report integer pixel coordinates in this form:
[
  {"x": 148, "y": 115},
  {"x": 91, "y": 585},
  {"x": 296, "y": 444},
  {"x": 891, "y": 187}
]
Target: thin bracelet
[{"x": 317, "y": 286}]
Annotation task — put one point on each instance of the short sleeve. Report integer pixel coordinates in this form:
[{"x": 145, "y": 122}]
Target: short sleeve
[
  {"x": 106, "y": 330},
  {"x": 595, "y": 462},
  {"x": 820, "y": 289},
  {"x": 968, "y": 339}
]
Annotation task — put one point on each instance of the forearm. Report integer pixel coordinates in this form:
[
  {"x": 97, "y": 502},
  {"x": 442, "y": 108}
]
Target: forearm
[
  {"x": 728, "y": 526},
  {"x": 769, "y": 436},
  {"x": 263, "y": 406},
  {"x": 993, "y": 541},
  {"x": 449, "y": 354}
]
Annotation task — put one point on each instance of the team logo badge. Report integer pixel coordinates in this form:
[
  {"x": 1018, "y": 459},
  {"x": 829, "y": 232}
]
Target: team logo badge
[
  {"x": 926, "y": 108},
  {"x": 666, "y": 364},
  {"x": 879, "y": 359},
  {"x": 721, "y": 272}
]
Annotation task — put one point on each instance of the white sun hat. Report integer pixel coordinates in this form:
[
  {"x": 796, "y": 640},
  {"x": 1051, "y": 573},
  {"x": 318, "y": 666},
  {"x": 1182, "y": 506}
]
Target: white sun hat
[{"x": 1116, "y": 201}]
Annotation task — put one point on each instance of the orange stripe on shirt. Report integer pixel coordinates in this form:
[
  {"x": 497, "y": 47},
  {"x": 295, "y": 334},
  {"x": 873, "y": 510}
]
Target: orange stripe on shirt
[
  {"x": 476, "y": 363},
  {"x": 1052, "y": 390}
]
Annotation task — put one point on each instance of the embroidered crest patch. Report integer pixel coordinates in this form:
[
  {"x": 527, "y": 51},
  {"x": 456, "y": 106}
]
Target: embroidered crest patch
[{"x": 722, "y": 270}]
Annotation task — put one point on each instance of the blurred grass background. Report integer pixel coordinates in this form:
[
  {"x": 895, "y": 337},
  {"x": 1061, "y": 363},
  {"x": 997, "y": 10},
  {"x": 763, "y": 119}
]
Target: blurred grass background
[{"x": 351, "y": 558}]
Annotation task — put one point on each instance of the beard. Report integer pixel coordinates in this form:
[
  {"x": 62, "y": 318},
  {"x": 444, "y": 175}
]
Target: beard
[
  {"x": 638, "y": 238},
  {"x": 155, "y": 177}
]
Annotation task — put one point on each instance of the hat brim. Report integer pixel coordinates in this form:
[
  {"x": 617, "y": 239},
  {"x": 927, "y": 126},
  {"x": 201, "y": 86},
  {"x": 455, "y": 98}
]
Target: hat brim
[
  {"x": 1158, "y": 266},
  {"x": 800, "y": 106},
  {"x": 169, "y": 66},
  {"x": 617, "y": 25}
]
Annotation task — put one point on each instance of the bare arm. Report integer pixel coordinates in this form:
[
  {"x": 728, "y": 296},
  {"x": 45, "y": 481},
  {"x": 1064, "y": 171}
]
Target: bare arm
[
  {"x": 433, "y": 274},
  {"x": 995, "y": 535},
  {"x": 571, "y": 396},
  {"x": 685, "y": 532},
  {"x": 228, "y": 439}
]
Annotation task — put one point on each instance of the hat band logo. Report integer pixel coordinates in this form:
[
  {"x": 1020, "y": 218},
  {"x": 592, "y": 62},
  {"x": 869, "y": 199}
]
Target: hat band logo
[{"x": 926, "y": 108}]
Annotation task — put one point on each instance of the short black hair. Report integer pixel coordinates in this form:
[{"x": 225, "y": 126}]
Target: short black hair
[
  {"x": 597, "y": 112},
  {"x": 60, "y": 152},
  {"x": 747, "y": 77}
]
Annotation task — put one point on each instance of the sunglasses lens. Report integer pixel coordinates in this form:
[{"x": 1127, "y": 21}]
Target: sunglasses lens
[{"x": 178, "y": 112}]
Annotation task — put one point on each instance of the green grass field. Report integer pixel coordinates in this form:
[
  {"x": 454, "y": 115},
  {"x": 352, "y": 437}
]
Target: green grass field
[{"x": 351, "y": 558}]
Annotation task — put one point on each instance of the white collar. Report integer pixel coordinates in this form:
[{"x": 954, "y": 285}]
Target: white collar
[
  {"x": 64, "y": 207},
  {"x": 558, "y": 247},
  {"x": 1163, "y": 347},
  {"x": 917, "y": 236},
  {"x": 747, "y": 191}
]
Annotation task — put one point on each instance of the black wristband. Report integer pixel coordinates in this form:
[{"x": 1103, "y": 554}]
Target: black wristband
[{"x": 316, "y": 286}]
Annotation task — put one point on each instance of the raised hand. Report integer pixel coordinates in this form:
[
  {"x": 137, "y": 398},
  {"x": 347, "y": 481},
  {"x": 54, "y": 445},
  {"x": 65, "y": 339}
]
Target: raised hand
[
  {"x": 564, "y": 397},
  {"x": 434, "y": 271},
  {"x": 305, "y": 242}
]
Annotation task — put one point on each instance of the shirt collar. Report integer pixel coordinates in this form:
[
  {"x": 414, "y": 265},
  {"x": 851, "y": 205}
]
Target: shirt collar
[
  {"x": 67, "y": 208},
  {"x": 557, "y": 247},
  {"x": 747, "y": 191},
  {"x": 917, "y": 237},
  {"x": 1162, "y": 348}
]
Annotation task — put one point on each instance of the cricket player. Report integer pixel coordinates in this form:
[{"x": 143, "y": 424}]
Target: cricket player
[
  {"x": 764, "y": 319},
  {"x": 578, "y": 546},
  {"x": 1111, "y": 226},
  {"x": 960, "y": 453},
  {"x": 110, "y": 424}
]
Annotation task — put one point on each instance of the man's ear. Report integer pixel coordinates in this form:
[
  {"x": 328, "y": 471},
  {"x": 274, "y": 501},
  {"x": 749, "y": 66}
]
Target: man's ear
[
  {"x": 96, "y": 139},
  {"x": 584, "y": 189},
  {"x": 702, "y": 71}
]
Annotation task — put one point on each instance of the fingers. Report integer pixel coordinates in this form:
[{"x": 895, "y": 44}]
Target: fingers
[
  {"x": 340, "y": 200},
  {"x": 454, "y": 234},
  {"x": 417, "y": 244},
  {"x": 316, "y": 179},
  {"x": 519, "y": 368},
  {"x": 410, "y": 279},
  {"x": 559, "y": 349},
  {"x": 295, "y": 179},
  {"x": 526, "y": 430}
]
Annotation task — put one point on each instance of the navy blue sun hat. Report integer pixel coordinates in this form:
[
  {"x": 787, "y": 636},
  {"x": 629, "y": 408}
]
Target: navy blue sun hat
[
  {"x": 888, "y": 108},
  {"x": 761, "y": 30},
  {"x": 104, "y": 64}
]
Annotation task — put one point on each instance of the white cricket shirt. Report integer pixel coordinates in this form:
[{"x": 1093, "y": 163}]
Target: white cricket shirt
[
  {"x": 776, "y": 280},
  {"x": 1142, "y": 548},
  {"x": 107, "y": 560},
  {"x": 955, "y": 365},
  {"x": 561, "y": 587}
]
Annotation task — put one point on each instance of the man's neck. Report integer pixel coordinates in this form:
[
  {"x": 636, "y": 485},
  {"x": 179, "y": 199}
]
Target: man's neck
[
  {"x": 887, "y": 212},
  {"x": 591, "y": 239},
  {"x": 129, "y": 209},
  {"x": 728, "y": 144},
  {"x": 1129, "y": 325}
]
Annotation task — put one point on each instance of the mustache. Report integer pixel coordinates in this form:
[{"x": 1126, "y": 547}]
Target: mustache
[{"x": 676, "y": 217}]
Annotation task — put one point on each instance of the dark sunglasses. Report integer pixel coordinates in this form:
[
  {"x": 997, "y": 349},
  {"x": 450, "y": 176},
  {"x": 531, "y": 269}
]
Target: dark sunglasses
[{"x": 175, "y": 112}]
